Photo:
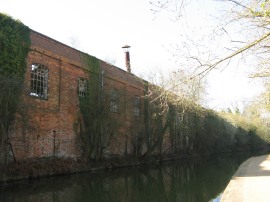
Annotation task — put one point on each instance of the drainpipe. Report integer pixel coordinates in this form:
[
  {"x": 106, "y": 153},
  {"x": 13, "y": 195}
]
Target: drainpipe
[{"x": 54, "y": 147}]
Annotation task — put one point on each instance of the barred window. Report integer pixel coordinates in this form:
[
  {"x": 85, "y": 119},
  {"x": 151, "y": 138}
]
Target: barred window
[
  {"x": 137, "y": 106},
  {"x": 82, "y": 87},
  {"x": 114, "y": 101},
  {"x": 39, "y": 81}
]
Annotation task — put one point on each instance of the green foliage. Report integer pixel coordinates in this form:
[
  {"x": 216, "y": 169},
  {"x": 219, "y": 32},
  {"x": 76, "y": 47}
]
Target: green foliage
[
  {"x": 193, "y": 129},
  {"x": 90, "y": 103},
  {"x": 249, "y": 129},
  {"x": 14, "y": 46},
  {"x": 98, "y": 127}
]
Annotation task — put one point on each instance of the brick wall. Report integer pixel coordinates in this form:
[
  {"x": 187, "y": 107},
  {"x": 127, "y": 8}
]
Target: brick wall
[{"x": 48, "y": 127}]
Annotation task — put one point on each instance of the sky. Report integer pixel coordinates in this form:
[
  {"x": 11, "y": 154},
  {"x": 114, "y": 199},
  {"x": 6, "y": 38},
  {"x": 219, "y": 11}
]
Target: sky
[{"x": 101, "y": 27}]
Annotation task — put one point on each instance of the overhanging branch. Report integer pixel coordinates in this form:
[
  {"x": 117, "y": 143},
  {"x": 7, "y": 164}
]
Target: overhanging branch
[{"x": 239, "y": 51}]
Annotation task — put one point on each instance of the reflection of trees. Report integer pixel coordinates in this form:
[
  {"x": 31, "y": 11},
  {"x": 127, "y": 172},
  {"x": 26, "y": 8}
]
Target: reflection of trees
[{"x": 186, "y": 180}]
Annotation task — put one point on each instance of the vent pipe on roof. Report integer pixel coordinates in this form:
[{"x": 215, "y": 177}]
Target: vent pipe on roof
[{"x": 127, "y": 57}]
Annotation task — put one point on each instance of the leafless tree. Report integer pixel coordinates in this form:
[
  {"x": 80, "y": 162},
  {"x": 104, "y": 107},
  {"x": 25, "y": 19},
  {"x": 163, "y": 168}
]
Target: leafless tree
[
  {"x": 179, "y": 88},
  {"x": 74, "y": 42},
  {"x": 173, "y": 100},
  {"x": 249, "y": 18}
]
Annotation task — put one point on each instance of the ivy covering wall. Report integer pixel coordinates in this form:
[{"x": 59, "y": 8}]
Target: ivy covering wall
[
  {"x": 14, "y": 47},
  {"x": 98, "y": 126}
]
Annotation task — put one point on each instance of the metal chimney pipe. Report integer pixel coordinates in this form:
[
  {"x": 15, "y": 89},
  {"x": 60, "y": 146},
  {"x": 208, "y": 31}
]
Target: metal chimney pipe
[
  {"x": 128, "y": 62},
  {"x": 127, "y": 57}
]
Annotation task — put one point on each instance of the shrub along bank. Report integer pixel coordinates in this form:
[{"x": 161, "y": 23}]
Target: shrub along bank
[{"x": 196, "y": 130}]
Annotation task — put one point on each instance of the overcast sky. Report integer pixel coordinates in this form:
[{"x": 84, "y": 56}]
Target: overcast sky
[{"x": 101, "y": 27}]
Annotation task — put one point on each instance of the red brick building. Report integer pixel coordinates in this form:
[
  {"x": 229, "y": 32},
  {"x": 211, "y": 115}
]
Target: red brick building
[{"x": 49, "y": 119}]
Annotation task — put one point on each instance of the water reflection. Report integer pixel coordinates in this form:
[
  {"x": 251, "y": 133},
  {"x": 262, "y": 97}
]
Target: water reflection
[{"x": 189, "y": 180}]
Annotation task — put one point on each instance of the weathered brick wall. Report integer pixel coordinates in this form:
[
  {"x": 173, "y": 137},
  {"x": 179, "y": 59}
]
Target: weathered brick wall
[{"x": 47, "y": 127}]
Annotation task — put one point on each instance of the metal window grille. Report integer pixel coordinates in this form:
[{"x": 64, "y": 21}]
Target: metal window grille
[
  {"x": 137, "y": 106},
  {"x": 82, "y": 87},
  {"x": 114, "y": 101},
  {"x": 39, "y": 81}
]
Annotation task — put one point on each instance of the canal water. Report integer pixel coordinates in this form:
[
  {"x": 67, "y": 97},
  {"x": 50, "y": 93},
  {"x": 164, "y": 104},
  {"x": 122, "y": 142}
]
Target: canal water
[{"x": 189, "y": 180}]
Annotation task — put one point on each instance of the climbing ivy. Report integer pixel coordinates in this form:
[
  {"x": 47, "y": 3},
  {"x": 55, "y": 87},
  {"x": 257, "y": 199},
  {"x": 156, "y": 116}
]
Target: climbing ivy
[
  {"x": 89, "y": 103},
  {"x": 98, "y": 127},
  {"x": 14, "y": 47}
]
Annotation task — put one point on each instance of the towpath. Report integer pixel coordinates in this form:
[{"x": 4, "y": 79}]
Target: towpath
[{"x": 251, "y": 182}]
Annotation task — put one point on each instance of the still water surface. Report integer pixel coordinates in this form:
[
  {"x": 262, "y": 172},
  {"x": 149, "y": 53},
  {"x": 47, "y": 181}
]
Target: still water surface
[{"x": 190, "y": 180}]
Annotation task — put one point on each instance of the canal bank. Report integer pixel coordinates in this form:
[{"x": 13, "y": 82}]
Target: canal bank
[
  {"x": 192, "y": 179},
  {"x": 251, "y": 181},
  {"x": 48, "y": 167}
]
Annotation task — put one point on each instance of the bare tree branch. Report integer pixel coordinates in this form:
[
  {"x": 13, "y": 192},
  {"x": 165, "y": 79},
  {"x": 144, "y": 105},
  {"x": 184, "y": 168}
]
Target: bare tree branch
[{"x": 241, "y": 50}]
